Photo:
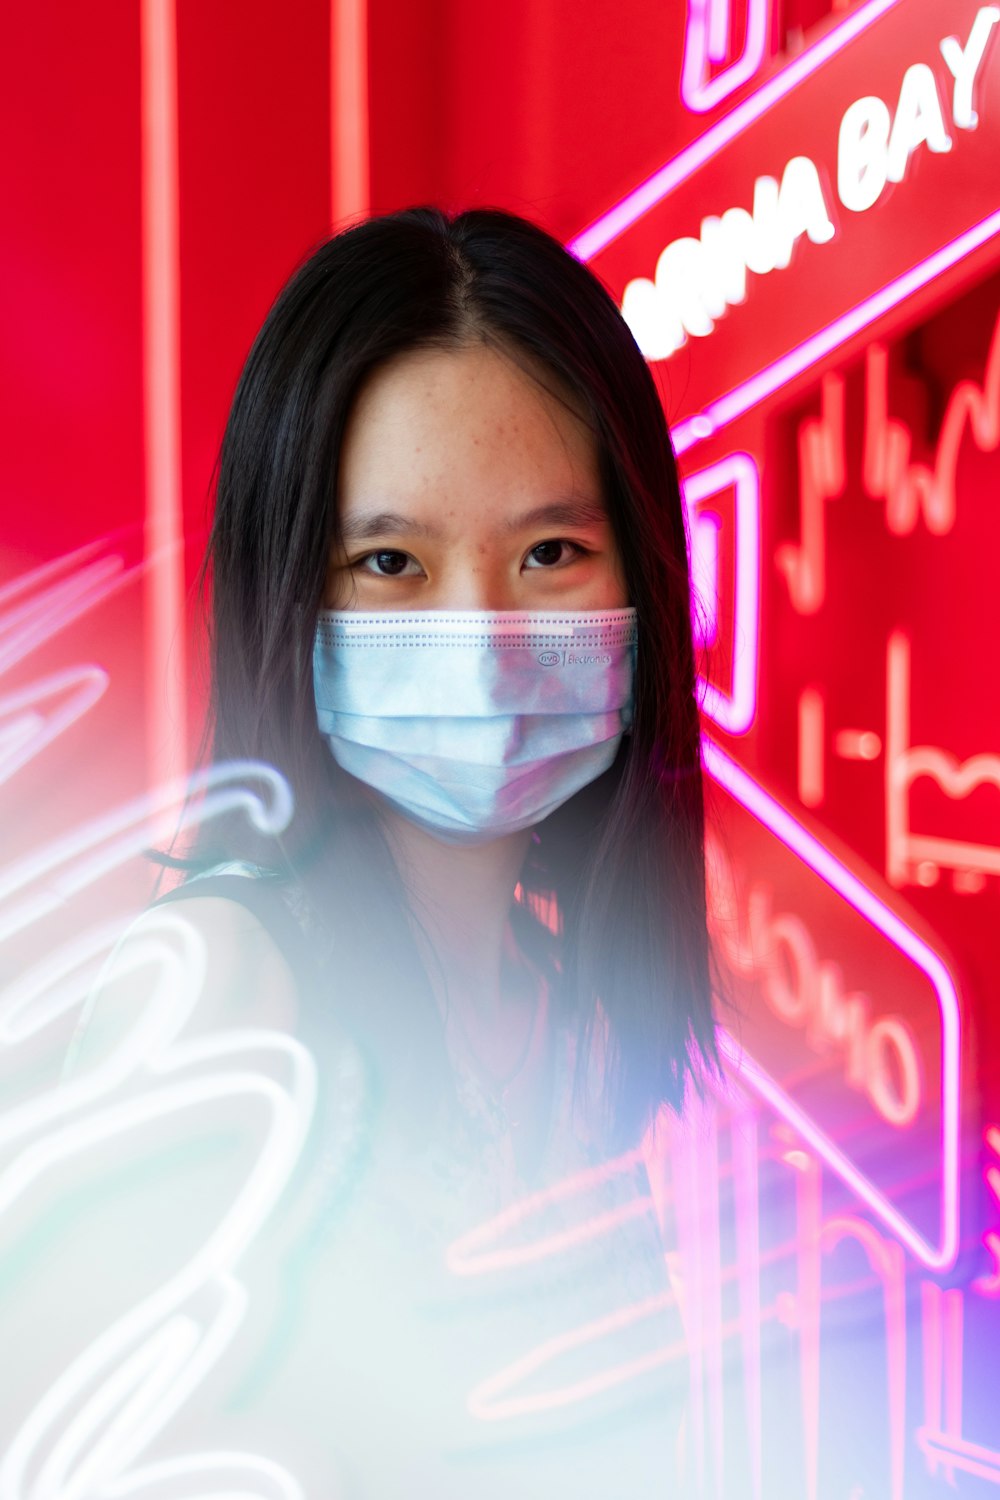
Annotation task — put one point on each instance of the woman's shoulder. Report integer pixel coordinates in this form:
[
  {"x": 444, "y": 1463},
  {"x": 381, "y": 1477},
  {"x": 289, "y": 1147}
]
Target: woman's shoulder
[{"x": 225, "y": 940}]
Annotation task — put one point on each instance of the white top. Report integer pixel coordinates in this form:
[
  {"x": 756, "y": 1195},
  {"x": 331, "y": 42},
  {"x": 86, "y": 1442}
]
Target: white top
[{"x": 332, "y": 1310}]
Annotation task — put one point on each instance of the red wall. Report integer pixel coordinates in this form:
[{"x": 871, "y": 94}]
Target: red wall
[{"x": 561, "y": 110}]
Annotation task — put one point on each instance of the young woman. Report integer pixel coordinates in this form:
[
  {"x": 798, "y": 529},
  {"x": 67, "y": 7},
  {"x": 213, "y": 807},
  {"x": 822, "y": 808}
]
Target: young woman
[{"x": 451, "y": 606}]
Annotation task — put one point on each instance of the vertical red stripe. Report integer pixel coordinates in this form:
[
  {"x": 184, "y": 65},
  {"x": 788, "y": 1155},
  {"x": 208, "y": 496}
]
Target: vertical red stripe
[
  {"x": 349, "y": 196},
  {"x": 812, "y": 743},
  {"x": 163, "y": 527}
]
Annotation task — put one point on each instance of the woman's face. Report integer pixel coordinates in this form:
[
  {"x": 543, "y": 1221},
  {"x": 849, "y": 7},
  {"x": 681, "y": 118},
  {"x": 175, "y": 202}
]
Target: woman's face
[{"x": 464, "y": 484}]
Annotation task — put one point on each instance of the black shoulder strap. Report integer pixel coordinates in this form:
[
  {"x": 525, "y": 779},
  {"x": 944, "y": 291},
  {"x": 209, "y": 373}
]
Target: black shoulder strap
[{"x": 263, "y": 897}]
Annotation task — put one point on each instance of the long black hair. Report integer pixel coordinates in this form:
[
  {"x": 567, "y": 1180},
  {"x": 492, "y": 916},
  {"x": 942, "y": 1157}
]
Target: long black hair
[{"x": 623, "y": 861}]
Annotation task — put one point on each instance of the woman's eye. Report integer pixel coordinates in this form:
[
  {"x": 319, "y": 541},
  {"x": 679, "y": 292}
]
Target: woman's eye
[
  {"x": 552, "y": 554},
  {"x": 385, "y": 564}
]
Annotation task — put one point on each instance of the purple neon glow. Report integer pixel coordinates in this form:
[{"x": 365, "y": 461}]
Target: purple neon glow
[
  {"x": 706, "y": 41},
  {"x": 746, "y": 1190},
  {"x": 742, "y": 397},
  {"x": 736, "y": 711},
  {"x": 641, "y": 199},
  {"x": 791, "y": 833}
]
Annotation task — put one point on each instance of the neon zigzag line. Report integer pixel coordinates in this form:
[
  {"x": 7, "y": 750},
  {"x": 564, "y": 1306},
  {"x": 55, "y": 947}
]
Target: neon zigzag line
[
  {"x": 911, "y": 489},
  {"x": 791, "y": 833}
]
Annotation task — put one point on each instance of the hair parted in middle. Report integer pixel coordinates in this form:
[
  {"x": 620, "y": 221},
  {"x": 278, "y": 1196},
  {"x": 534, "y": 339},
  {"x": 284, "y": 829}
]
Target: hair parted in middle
[{"x": 623, "y": 860}]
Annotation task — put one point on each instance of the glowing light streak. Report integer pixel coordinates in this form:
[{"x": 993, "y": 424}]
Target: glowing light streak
[
  {"x": 821, "y": 478},
  {"x": 109, "y": 1403},
  {"x": 766, "y": 382},
  {"x": 705, "y": 527},
  {"x": 349, "y": 145},
  {"x": 164, "y": 514},
  {"x": 690, "y": 1223},
  {"x": 75, "y": 860},
  {"x": 34, "y": 607},
  {"x": 940, "y": 1438},
  {"x": 989, "y": 1285},
  {"x": 811, "y": 781},
  {"x": 469, "y": 1255},
  {"x": 808, "y": 1208},
  {"x": 734, "y": 711},
  {"x": 705, "y": 42},
  {"x": 857, "y": 744},
  {"x": 641, "y": 199},
  {"x": 695, "y": 1174},
  {"x": 932, "y": 1353},
  {"x": 936, "y": 1257},
  {"x": 746, "y": 1194},
  {"x": 959, "y": 1453},
  {"x": 26, "y": 732},
  {"x": 486, "y": 1400},
  {"x": 886, "y": 1260},
  {"x": 704, "y": 1139},
  {"x": 773, "y": 816},
  {"x": 154, "y": 1357},
  {"x": 719, "y": 26},
  {"x": 906, "y": 851},
  {"x": 50, "y": 989},
  {"x": 47, "y": 572},
  {"x": 32, "y": 621},
  {"x": 911, "y": 490},
  {"x": 237, "y": 1472},
  {"x": 141, "y": 1380},
  {"x": 116, "y": 1120}
]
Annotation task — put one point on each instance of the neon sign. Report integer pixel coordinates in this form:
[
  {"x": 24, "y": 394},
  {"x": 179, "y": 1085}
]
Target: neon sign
[
  {"x": 701, "y": 152},
  {"x": 111, "y": 1398},
  {"x": 935, "y": 1243},
  {"x": 914, "y": 490},
  {"x": 788, "y": 1221},
  {"x": 919, "y": 856},
  {"x": 696, "y": 279},
  {"x": 732, "y": 705},
  {"x": 706, "y": 42},
  {"x": 880, "y": 1057}
]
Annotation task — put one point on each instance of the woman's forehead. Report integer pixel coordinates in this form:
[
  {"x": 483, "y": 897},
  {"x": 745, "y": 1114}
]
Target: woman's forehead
[{"x": 447, "y": 425}]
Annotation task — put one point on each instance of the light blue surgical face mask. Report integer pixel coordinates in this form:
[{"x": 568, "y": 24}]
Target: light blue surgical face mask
[{"x": 475, "y": 724}]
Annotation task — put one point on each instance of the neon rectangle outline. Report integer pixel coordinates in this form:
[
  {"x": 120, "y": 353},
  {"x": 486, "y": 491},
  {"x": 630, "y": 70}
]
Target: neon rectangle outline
[
  {"x": 735, "y": 713},
  {"x": 780, "y": 822},
  {"x": 701, "y": 94}
]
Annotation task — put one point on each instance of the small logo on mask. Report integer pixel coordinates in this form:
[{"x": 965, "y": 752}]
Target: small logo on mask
[{"x": 549, "y": 658}]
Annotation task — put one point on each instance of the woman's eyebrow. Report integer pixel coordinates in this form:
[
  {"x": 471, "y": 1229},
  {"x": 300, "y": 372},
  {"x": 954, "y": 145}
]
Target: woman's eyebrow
[
  {"x": 363, "y": 527},
  {"x": 569, "y": 512}
]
